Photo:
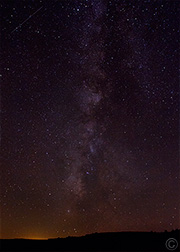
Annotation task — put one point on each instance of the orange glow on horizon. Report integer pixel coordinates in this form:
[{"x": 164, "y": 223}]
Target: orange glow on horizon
[
  {"x": 36, "y": 238},
  {"x": 32, "y": 238}
]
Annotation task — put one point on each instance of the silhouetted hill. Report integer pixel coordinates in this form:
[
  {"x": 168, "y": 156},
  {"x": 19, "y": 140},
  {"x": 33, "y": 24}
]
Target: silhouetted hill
[{"x": 123, "y": 241}]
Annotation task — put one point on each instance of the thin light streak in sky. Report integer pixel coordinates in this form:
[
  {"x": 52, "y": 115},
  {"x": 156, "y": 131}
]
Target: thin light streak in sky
[{"x": 26, "y": 19}]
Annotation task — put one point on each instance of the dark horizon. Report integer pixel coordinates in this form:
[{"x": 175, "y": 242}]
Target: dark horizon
[
  {"x": 74, "y": 236},
  {"x": 140, "y": 241},
  {"x": 90, "y": 234}
]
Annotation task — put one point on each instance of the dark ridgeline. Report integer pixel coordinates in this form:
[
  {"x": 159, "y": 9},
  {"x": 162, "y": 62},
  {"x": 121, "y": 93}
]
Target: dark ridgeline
[{"x": 122, "y": 241}]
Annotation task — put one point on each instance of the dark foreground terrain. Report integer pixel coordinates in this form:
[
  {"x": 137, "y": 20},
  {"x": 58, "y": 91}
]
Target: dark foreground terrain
[{"x": 124, "y": 241}]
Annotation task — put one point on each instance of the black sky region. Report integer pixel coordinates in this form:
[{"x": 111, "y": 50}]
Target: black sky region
[{"x": 90, "y": 117}]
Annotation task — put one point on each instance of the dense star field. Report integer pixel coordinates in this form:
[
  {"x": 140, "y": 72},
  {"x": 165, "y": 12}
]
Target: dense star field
[{"x": 90, "y": 114}]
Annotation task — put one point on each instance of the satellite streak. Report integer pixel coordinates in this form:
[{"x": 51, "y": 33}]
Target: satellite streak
[{"x": 26, "y": 20}]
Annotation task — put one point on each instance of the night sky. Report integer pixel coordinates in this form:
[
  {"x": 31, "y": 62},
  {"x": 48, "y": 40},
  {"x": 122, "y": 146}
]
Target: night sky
[{"x": 90, "y": 114}]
